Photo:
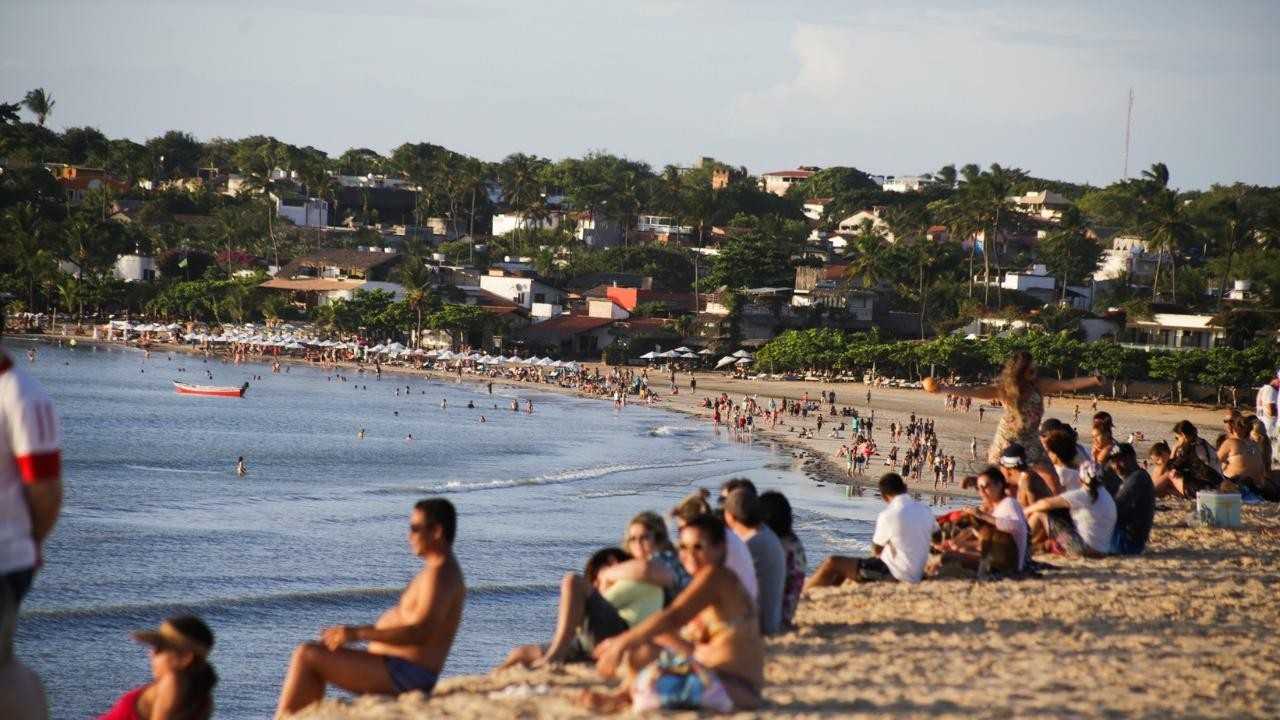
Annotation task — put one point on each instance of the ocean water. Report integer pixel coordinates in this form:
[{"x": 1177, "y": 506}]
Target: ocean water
[{"x": 156, "y": 522}]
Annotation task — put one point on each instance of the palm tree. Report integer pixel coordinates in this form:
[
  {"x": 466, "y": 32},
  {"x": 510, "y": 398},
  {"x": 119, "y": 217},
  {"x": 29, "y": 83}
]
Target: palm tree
[
  {"x": 1167, "y": 229},
  {"x": 258, "y": 181},
  {"x": 1238, "y": 221},
  {"x": 866, "y": 259},
  {"x": 40, "y": 103},
  {"x": 27, "y": 234}
]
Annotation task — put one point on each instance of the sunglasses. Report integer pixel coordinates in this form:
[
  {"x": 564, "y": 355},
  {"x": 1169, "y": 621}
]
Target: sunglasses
[{"x": 692, "y": 547}]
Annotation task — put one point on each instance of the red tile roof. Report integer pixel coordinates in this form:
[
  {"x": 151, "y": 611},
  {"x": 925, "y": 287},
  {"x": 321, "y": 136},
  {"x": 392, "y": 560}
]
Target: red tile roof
[{"x": 562, "y": 326}]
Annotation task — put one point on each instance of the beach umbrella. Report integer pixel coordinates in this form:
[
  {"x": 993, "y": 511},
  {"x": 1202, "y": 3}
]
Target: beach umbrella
[
  {"x": 499, "y": 360},
  {"x": 683, "y": 349},
  {"x": 419, "y": 352},
  {"x": 649, "y": 355},
  {"x": 377, "y": 348},
  {"x": 173, "y": 326},
  {"x": 572, "y": 367},
  {"x": 726, "y": 360},
  {"x": 476, "y": 356},
  {"x": 706, "y": 351},
  {"x": 395, "y": 346},
  {"x": 669, "y": 354},
  {"x": 742, "y": 354},
  {"x": 689, "y": 356},
  {"x": 293, "y": 346},
  {"x": 744, "y": 361}
]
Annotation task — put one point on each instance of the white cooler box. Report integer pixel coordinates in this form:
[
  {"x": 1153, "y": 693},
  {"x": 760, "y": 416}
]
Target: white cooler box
[{"x": 1223, "y": 508}]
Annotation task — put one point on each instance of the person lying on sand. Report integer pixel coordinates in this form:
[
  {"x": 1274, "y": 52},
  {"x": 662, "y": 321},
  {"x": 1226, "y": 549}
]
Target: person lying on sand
[
  {"x": 609, "y": 609},
  {"x": 409, "y": 644},
  {"x": 705, "y": 651},
  {"x": 903, "y": 535},
  {"x": 588, "y": 614}
]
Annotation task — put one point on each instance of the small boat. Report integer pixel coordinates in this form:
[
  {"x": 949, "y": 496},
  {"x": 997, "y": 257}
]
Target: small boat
[{"x": 215, "y": 390}]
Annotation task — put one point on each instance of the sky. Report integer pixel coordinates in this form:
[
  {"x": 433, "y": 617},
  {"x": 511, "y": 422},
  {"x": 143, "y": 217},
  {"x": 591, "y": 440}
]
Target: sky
[{"x": 889, "y": 87}]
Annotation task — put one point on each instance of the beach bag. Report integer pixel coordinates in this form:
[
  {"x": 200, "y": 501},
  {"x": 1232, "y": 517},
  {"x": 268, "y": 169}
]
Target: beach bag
[{"x": 676, "y": 681}]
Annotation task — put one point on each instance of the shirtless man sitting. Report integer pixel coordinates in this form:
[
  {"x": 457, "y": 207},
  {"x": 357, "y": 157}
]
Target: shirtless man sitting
[{"x": 409, "y": 643}]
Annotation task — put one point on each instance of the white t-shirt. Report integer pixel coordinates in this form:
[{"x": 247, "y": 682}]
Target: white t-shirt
[
  {"x": 1068, "y": 477},
  {"x": 904, "y": 529},
  {"x": 1266, "y": 398},
  {"x": 738, "y": 559},
  {"x": 1094, "y": 520},
  {"x": 29, "y": 453},
  {"x": 1010, "y": 519}
]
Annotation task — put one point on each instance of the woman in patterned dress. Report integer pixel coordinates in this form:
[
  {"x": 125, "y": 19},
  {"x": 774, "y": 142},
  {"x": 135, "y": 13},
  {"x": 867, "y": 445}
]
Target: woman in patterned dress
[{"x": 1022, "y": 395}]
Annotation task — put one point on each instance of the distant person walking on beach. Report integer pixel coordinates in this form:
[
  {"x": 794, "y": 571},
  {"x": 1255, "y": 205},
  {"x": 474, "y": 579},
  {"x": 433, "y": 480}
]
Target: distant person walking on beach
[
  {"x": 30, "y": 500},
  {"x": 410, "y": 642},
  {"x": 1022, "y": 395},
  {"x": 240, "y": 470}
]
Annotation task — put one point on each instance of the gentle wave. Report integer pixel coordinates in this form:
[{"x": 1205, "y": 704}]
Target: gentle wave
[
  {"x": 567, "y": 476},
  {"x": 670, "y": 430},
  {"x": 249, "y": 601},
  {"x": 153, "y": 468}
]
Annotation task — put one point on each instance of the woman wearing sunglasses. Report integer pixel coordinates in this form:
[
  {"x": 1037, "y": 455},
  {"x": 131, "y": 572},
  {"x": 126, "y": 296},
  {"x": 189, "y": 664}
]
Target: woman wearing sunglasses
[
  {"x": 183, "y": 679},
  {"x": 705, "y": 651},
  {"x": 592, "y": 609}
]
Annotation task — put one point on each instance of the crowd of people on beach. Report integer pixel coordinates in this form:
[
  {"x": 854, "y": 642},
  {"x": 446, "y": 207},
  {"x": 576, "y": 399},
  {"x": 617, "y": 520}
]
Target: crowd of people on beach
[{"x": 678, "y": 619}]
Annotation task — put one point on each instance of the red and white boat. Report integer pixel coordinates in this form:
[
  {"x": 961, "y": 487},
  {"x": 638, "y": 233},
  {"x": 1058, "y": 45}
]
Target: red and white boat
[{"x": 214, "y": 390}]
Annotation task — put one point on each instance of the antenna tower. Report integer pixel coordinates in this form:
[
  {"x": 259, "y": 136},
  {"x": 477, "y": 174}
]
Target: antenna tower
[{"x": 1128, "y": 121}]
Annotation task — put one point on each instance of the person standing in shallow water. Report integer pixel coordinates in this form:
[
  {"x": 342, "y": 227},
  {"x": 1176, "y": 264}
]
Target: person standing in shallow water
[{"x": 240, "y": 469}]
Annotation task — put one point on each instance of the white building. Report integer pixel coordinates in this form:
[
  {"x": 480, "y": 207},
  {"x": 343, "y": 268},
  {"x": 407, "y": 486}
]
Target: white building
[
  {"x": 304, "y": 212},
  {"x": 509, "y": 222},
  {"x": 135, "y": 268},
  {"x": 661, "y": 225},
  {"x": 852, "y": 225},
  {"x": 777, "y": 182},
  {"x": 1037, "y": 278},
  {"x": 906, "y": 183},
  {"x": 525, "y": 292},
  {"x": 1045, "y": 204}
]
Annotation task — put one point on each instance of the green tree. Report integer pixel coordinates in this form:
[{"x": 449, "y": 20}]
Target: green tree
[
  {"x": 459, "y": 320},
  {"x": 867, "y": 255},
  {"x": 1068, "y": 252},
  {"x": 1177, "y": 366},
  {"x": 1225, "y": 367},
  {"x": 39, "y": 103}
]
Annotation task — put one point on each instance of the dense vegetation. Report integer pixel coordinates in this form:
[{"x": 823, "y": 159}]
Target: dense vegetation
[{"x": 1208, "y": 238}]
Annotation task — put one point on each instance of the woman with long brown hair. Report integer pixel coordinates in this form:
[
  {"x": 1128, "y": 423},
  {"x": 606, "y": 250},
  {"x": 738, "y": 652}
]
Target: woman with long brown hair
[{"x": 1021, "y": 393}]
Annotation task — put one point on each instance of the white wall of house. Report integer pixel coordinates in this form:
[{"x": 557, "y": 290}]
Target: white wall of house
[
  {"x": 522, "y": 291},
  {"x": 1036, "y": 279},
  {"x": 605, "y": 308},
  {"x": 313, "y": 213},
  {"x": 905, "y": 183},
  {"x": 136, "y": 268},
  {"x": 507, "y": 223}
]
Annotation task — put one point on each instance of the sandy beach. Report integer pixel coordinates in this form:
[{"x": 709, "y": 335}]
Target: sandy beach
[{"x": 1186, "y": 630}]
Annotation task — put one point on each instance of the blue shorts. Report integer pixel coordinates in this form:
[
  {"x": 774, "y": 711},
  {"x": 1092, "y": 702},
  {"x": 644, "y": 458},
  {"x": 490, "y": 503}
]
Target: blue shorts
[{"x": 409, "y": 676}]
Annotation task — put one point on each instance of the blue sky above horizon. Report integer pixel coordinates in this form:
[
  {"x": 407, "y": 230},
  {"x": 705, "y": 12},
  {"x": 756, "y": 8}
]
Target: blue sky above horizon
[{"x": 889, "y": 87}]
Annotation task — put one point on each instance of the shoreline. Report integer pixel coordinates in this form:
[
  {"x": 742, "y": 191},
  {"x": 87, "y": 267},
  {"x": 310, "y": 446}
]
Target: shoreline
[
  {"x": 1183, "y": 631},
  {"x": 817, "y": 455}
]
